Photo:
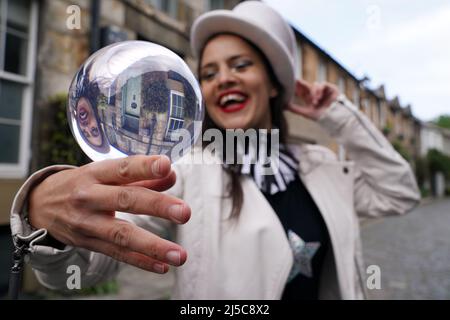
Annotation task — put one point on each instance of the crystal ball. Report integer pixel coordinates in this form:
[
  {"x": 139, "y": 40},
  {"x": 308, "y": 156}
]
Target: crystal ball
[{"x": 135, "y": 97}]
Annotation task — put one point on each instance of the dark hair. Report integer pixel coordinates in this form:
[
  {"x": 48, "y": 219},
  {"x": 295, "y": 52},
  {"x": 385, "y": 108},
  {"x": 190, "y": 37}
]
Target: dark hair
[
  {"x": 234, "y": 188},
  {"x": 89, "y": 90}
]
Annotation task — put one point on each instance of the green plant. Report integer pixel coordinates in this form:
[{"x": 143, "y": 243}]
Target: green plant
[
  {"x": 443, "y": 121},
  {"x": 110, "y": 287},
  {"x": 106, "y": 288},
  {"x": 438, "y": 162},
  {"x": 447, "y": 191},
  {"x": 422, "y": 170},
  {"x": 387, "y": 129},
  {"x": 424, "y": 192},
  {"x": 58, "y": 145},
  {"x": 398, "y": 146}
]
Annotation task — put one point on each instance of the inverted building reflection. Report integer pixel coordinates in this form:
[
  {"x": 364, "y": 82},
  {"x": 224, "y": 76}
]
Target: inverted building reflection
[{"x": 146, "y": 111}]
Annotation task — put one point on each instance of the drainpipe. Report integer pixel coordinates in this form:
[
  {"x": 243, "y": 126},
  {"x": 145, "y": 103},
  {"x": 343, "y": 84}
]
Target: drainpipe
[{"x": 95, "y": 28}]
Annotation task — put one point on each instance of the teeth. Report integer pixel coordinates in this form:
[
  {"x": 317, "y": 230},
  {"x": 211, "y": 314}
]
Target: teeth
[{"x": 232, "y": 97}]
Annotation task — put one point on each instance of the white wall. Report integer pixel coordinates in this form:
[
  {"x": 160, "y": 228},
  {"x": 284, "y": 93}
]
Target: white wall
[{"x": 431, "y": 138}]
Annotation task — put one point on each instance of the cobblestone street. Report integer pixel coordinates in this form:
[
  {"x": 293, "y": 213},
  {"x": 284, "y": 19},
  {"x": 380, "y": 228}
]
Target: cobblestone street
[{"x": 413, "y": 253}]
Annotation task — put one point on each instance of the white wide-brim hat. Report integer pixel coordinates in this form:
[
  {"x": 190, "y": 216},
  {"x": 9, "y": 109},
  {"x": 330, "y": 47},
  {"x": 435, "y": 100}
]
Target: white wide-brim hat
[{"x": 262, "y": 26}]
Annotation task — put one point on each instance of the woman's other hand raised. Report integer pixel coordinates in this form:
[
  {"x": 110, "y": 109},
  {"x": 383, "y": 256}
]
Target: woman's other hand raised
[{"x": 313, "y": 99}]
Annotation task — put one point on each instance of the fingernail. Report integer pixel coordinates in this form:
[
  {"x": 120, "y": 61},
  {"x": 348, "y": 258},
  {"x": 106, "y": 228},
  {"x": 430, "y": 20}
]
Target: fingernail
[
  {"x": 156, "y": 167},
  {"x": 174, "y": 257},
  {"x": 159, "y": 267},
  {"x": 176, "y": 212}
]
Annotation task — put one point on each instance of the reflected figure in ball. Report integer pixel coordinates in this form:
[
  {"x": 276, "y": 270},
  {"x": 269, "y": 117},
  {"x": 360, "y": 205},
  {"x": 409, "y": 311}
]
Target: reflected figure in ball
[
  {"x": 88, "y": 123},
  {"x": 82, "y": 108}
]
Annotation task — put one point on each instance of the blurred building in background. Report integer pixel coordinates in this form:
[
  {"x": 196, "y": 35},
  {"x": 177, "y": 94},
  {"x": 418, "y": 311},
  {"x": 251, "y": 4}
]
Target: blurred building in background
[{"x": 41, "y": 48}]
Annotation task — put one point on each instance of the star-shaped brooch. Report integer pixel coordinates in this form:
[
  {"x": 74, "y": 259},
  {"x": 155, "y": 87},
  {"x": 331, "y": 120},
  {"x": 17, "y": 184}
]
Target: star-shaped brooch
[{"x": 303, "y": 254}]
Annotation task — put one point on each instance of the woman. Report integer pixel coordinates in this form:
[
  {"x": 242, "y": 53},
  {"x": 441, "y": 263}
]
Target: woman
[{"x": 291, "y": 235}]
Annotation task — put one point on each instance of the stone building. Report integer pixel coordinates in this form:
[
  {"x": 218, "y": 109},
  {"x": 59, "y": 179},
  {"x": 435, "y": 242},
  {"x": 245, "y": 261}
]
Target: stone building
[{"x": 395, "y": 121}]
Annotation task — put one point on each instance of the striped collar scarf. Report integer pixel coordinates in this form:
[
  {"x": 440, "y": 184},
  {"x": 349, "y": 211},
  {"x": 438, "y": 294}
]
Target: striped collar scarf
[{"x": 277, "y": 182}]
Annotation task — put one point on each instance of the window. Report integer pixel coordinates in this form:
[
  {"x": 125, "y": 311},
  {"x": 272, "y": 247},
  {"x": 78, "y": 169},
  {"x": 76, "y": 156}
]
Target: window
[
  {"x": 18, "y": 26},
  {"x": 321, "y": 71},
  {"x": 176, "y": 114},
  {"x": 216, "y": 4},
  {"x": 300, "y": 60},
  {"x": 170, "y": 7},
  {"x": 341, "y": 84},
  {"x": 356, "y": 97},
  {"x": 381, "y": 114},
  {"x": 366, "y": 106},
  {"x": 177, "y": 104},
  {"x": 398, "y": 122}
]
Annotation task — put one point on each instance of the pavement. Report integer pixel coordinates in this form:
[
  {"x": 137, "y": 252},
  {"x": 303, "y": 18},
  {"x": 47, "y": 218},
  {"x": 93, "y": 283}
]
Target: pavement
[{"x": 412, "y": 252}]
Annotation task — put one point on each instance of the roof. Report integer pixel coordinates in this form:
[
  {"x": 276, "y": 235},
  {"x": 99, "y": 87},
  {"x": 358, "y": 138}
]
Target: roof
[
  {"x": 379, "y": 92},
  {"x": 304, "y": 38}
]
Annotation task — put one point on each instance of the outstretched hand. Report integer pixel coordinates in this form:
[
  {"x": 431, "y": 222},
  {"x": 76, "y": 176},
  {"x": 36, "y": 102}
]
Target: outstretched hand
[
  {"x": 78, "y": 208},
  {"x": 314, "y": 99}
]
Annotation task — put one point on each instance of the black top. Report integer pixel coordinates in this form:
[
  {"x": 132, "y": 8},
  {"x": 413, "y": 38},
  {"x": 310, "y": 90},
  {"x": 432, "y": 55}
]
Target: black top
[{"x": 308, "y": 236}]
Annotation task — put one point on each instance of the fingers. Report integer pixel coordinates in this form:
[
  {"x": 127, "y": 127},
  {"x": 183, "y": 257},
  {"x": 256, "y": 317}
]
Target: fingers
[
  {"x": 158, "y": 184},
  {"x": 119, "y": 237},
  {"x": 121, "y": 254},
  {"x": 317, "y": 94},
  {"x": 303, "y": 90},
  {"x": 303, "y": 85},
  {"x": 130, "y": 169},
  {"x": 325, "y": 94},
  {"x": 317, "y": 97},
  {"x": 132, "y": 199}
]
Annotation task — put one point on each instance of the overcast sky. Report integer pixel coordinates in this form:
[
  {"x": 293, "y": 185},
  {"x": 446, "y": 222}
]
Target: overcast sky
[{"x": 404, "y": 44}]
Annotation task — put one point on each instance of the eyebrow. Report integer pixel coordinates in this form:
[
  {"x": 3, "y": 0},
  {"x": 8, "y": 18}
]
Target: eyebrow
[{"x": 211, "y": 64}]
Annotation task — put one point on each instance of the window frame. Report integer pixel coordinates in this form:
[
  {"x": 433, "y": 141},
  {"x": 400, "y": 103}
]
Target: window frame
[
  {"x": 341, "y": 84},
  {"x": 19, "y": 170},
  {"x": 357, "y": 97},
  {"x": 300, "y": 59},
  {"x": 322, "y": 70},
  {"x": 381, "y": 113},
  {"x": 168, "y": 134}
]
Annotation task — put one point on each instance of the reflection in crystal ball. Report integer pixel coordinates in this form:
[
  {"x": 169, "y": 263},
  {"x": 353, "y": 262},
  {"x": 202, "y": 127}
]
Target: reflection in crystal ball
[{"x": 135, "y": 97}]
